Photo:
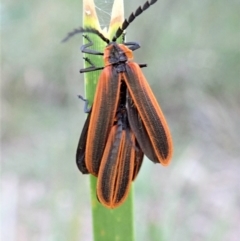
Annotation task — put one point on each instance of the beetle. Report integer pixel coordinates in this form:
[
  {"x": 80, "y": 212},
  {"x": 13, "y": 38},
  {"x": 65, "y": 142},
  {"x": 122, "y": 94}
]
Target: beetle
[{"x": 124, "y": 103}]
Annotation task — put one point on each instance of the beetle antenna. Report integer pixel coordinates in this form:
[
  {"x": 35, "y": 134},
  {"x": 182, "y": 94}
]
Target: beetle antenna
[
  {"x": 131, "y": 18},
  {"x": 85, "y": 30}
]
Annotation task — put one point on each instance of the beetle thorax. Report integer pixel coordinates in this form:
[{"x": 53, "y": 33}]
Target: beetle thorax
[{"x": 115, "y": 54}]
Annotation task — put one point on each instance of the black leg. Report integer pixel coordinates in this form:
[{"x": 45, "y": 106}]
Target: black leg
[
  {"x": 132, "y": 45},
  {"x": 86, "y": 109},
  {"x": 142, "y": 65},
  {"x": 85, "y": 47},
  {"x": 91, "y": 68}
]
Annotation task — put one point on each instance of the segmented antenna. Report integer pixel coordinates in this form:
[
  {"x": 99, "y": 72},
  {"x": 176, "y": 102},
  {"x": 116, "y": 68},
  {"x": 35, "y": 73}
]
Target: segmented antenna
[
  {"x": 131, "y": 18},
  {"x": 85, "y": 30}
]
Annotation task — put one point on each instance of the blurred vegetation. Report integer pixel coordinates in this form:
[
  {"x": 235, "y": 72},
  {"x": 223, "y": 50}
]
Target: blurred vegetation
[{"x": 193, "y": 56}]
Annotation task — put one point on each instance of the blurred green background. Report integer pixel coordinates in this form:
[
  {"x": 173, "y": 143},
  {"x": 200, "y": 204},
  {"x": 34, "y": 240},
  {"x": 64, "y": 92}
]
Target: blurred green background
[{"x": 192, "y": 49}]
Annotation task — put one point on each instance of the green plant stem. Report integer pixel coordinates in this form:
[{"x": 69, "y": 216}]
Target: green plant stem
[{"x": 115, "y": 224}]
